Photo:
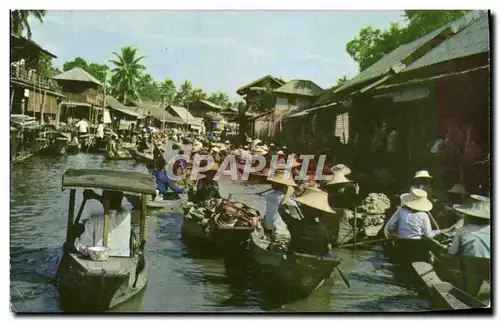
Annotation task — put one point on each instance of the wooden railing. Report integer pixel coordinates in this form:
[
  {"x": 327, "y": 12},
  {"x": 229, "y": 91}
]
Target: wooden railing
[{"x": 31, "y": 77}]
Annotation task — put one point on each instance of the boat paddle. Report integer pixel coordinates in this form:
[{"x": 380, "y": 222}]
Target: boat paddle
[{"x": 344, "y": 277}]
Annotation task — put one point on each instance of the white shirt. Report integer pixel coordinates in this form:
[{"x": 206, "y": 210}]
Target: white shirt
[
  {"x": 118, "y": 235},
  {"x": 100, "y": 131},
  {"x": 82, "y": 126},
  {"x": 472, "y": 240},
  {"x": 411, "y": 224}
]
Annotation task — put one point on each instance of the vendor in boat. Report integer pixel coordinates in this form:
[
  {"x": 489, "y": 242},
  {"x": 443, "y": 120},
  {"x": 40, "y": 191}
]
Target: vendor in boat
[
  {"x": 164, "y": 183},
  {"x": 474, "y": 238},
  {"x": 207, "y": 188},
  {"x": 422, "y": 180},
  {"x": 342, "y": 192},
  {"x": 472, "y": 243},
  {"x": 282, "y": 185},
  {"x": 119, "y": 224},
  {"x": 309, "y": 234},
  {"x": 411, "y": 223}
]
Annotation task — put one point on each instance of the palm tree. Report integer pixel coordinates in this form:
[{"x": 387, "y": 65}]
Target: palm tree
[
  {"x": 168, "y": 91},
  {"x": 127, "y": 73},
  {"x": 219, "y": 98},
  {"x": 19, "y": 20},
  {"x": 184, "y": 92},
  {"x": 197, "y": 94}
]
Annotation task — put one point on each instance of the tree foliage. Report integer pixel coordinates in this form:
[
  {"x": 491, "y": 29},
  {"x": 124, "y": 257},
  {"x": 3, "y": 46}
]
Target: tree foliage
[
  {"x": 127, "y": 73},
  {"x": 220, "y": 98},
  {"x": 19, "y": 21},
  {"x": 340, "y": 81},
  {"x": 168, "y": 92},
  {"x": 372, "y": 44},
  {"x": 184, "y": 92},
  {"x": 94, "y": 69}
]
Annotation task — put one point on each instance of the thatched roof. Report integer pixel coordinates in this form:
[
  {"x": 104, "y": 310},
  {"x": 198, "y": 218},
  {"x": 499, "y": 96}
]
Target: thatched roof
[
  {"x": 277, "y": 82},
  {"x": 300, "y": 87},
  {"x": 77, "y": 74},
  {"x": 114, "y": 104},
  {"x": 157, "y": 111},
  {"x": 186, "y": 117},
  {"x": 211, "y": 105},
  {"x": 19, "y": 41},
  {"x": 450, "y": 41}
]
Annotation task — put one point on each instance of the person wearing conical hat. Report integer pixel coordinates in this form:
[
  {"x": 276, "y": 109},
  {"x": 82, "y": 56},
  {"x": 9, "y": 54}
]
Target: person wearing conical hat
[
  {"x": 410, "y": 224},
  {"x": 309, "y": 234},
  {"x": 422, "y": 180},
  {"x": 456, "y": 194},
  {"x": 207, "y": 188},
  {"x": 342, "y": 192},
  {"x": 474, "y": 238},
  {"x": 282, "y": 185}
]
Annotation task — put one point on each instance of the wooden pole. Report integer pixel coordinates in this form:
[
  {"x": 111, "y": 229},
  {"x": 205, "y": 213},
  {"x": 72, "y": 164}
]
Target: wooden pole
[
  {"x": 42, "y": 107},
  {"x": 11, "y": 98},
  {"x": 71, "y": 213},
  {"x": 355, "y": 223},
  {"x": 143, "y": 219},
  {"x": 106, "y": 223}
]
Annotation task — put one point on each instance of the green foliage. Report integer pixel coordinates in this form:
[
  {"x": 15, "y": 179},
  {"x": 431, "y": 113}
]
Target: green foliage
[
  {"x": 184, "y": 92},
  {"x": 168, "y": 92},
  {"x": 126, "y": 74},
  {"x": 340, "y": 82},
  {"x": 197, "y": 94},
  {"x": 46, "y": 68},
  {"x": 19, "y": 21},
  {"x": 372, "y": 44},
  {"x": 148, "y": 89},
  {"x": 94, "y": 69},
  {"x": 219, "y": 98}
]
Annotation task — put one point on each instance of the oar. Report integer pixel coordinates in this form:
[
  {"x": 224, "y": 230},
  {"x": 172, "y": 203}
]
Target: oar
[
  {"x": 366, "y": 242},
  {"x": 344, "y": 278},
  {"x": 80, "y": 211},
  {"x": 263, "y": 192}
]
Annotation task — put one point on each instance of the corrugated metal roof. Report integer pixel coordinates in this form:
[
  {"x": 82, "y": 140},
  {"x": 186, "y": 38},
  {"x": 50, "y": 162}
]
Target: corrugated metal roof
[
  {"x": 300, "y": 87},
  {"x": 77, "y": 74},
  {"x": 395, "y": 57},
  {"x": 473, "y": 39}
]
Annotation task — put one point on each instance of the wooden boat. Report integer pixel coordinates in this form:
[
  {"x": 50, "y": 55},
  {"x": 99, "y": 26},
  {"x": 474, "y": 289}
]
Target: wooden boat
[
  {"x": 230, "y": 236},
  {"x": 444, "y": 295},
  {"x": 123, "y": 155},
  {"x": 141, "y": 157},
  {"x": 87, "y": 285},
  {"x": 293, "y": 274}
]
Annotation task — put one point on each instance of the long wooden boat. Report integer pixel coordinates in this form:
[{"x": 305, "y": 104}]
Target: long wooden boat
[
  {"x": 88, "y": 285},
  {"x": 169, "y": 205},
  {"x": 295, "y": 274},
  {"x": 122, "y": 156},
  {"x": 444, "y": 295},
  {"x": 141, "y": 157}
]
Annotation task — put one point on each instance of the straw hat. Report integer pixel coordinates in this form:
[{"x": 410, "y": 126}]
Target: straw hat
[
  {"x": 279, "y": 177},
  {"x": 215, "y": 149},
  {"x": 480, "y": 207},
  {"x": 458, "y": 189},
  {"x": 259, "y": 151},
  {"x": 195, "y": 149},
  {"x": 227, "y": 142},
  {"x": 271, "y": 145},
  {"x": 315, "y": 198},
  {"x": 339, "y": 173},
  {"x": 341, "y": 168},
  {"x": 416, "y": 200},
  {"x": 422, "y": 174},
  {"x": 280, "y": 152}
]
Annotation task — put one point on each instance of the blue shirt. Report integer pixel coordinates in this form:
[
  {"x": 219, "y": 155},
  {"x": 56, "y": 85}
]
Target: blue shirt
[
  {"x": 472, "y": 240},
  {"x": 411, "y": 224},
  {"x": 163, "y": 181}
]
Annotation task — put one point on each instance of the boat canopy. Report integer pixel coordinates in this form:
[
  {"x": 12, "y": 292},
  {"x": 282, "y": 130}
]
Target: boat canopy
[{"x": 125, "y": 181}]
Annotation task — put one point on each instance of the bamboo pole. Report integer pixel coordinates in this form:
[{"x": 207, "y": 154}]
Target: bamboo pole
[
  {"x": 71, "y": 213},
  {"x": 106, "y": 222},
  {"x": 143, "y": 219}
]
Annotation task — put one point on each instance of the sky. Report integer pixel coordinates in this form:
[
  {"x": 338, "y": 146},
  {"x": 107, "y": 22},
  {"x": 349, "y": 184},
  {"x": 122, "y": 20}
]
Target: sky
[{"x": 215, "y": 50}]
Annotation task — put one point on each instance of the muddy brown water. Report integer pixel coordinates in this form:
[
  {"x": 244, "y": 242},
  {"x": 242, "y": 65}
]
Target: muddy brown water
[{"x": 179, "y": 280}]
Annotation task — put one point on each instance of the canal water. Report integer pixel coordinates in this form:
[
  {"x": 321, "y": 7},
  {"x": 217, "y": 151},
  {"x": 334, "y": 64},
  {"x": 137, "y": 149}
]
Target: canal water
[{"x": 179, "y": 281}]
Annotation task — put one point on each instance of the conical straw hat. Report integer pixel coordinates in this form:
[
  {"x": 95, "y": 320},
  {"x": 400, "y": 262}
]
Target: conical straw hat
[
  {"x": 259, "y": 151},
  {"x": 422, "y": 174},
  {"x": 480, "y": 207},
  {"x": 315, "y": 198},
  {"x": 458, "y": 189},
  {"x": 279, "y": 177},
  {"x": 416, "y": 200},
  {"x": 338, "y": 177}
]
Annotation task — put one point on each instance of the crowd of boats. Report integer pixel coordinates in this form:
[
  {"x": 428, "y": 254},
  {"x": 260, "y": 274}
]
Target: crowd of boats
[{"x": 293, "y": 245}]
